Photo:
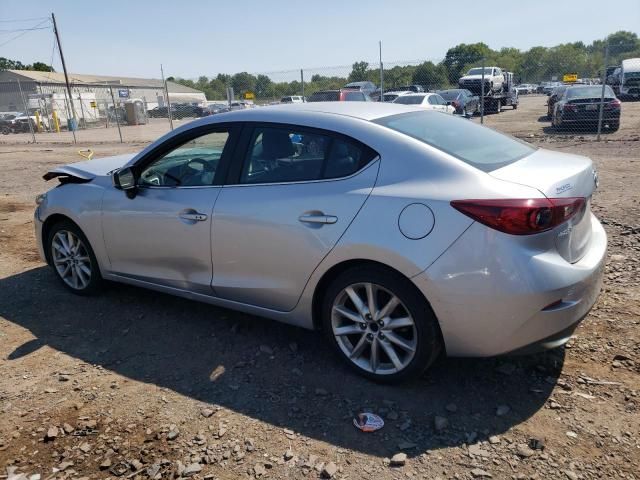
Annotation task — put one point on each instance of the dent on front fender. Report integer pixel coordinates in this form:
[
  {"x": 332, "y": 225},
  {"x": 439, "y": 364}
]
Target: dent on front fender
[{"x": 82, "y": 204}]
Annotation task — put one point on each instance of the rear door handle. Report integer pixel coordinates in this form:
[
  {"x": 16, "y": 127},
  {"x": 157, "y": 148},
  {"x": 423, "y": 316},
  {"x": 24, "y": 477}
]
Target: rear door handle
[
  {"x": 194, "y": 217},
  {"x": 318, "y": 219}
]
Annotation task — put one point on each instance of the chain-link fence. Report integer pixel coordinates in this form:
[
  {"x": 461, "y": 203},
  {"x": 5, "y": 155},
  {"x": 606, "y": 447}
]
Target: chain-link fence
[{"x": 558, "y": 93}]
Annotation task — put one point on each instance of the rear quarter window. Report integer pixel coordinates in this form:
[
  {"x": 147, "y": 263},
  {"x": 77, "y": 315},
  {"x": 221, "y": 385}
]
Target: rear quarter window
[{"x": 476, "y": 145}]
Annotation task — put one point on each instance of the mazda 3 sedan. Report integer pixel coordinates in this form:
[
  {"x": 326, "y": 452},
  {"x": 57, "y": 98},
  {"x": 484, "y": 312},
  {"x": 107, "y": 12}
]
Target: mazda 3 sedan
[{"x": 400, "y": 233}]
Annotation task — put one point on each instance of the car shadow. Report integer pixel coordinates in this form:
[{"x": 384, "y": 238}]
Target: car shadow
[{"x": 272, "y": 372}]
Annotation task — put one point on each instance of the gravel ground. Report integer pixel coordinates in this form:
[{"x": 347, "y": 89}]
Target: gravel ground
[{"x": 136, "y": 384}]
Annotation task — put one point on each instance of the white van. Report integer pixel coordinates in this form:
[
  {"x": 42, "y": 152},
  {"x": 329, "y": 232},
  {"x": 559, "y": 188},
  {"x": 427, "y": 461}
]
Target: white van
[{"x": 630, "y": 78}]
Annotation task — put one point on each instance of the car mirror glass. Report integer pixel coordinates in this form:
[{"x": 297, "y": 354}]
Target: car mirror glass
[{"x": 124, "y": 179}]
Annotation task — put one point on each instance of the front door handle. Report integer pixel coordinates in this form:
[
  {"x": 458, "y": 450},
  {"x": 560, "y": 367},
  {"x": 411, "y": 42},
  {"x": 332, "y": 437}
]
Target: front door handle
[
  {"x": 318, "y": 218},
  {"x": 194, "y": 217}
]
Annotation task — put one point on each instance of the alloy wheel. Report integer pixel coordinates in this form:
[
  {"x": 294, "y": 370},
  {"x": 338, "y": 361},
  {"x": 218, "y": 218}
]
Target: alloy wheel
[
  {"x": 71, "y": 259},
  {"x": 373, "y": 328}
]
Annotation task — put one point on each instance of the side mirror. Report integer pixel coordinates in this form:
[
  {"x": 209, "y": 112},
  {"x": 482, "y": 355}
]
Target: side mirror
[{"x": 125, "y": 179}]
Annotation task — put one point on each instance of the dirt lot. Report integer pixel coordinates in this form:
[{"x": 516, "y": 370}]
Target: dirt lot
[{"x": 136, "y": 384}]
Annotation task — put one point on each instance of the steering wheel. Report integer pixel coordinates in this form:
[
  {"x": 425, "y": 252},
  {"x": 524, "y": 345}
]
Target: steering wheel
[{"x": 206, "y": 166}]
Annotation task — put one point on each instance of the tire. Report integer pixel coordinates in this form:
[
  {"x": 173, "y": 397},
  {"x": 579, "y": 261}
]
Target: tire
[
  {"x": 614, "y": 127},
  {"x": 419, "y": 332},
  {"x": 72, "y": 258},
  {"x": 6, "y": 130}
]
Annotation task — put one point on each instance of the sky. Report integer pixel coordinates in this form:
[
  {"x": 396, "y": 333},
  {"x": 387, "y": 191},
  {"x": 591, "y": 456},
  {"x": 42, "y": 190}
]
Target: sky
[{"x": 198, "y": 37}]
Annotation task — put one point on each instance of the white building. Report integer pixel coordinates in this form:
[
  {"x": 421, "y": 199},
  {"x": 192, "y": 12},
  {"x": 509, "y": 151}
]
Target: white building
[{"x": 20, "y": 87}]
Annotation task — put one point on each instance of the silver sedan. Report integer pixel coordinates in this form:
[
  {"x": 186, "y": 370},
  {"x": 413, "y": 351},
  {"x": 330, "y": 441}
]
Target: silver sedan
[{"x": 401, "y": 233}]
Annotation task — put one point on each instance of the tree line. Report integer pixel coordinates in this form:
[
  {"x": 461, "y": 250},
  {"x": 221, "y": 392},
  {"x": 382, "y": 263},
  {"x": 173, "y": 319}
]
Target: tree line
[
  {"x": 8, "y": 64},
  {"x": 534, "y": 65}
]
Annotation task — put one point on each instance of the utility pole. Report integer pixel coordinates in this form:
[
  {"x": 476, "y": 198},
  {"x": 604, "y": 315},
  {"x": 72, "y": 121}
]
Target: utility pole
[
  {"x": 66, "y": 76},
  {"x": 604, "y": 86},
  {"x": 166, "y": 92},
  {"x": 381, "y": 73}
]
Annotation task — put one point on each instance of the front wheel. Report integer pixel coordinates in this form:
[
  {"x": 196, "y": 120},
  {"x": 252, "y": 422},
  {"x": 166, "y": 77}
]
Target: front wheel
[
  {"x": 72, "y": 258},
  {"x": 380, "y": 324}
]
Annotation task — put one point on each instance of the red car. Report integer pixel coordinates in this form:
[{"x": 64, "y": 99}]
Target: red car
[{"x": 342, "y": 95}]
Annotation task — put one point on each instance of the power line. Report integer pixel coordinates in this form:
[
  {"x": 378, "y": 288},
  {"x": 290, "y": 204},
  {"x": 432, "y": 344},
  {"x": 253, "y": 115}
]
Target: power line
[
  {"x": 18, "y": 20},
  {"x": 23, "y": 30},
  {"x": 23, "y": 33}
]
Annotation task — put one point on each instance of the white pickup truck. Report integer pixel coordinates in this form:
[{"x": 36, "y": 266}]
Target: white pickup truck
[{"x": 493, "y": 80}]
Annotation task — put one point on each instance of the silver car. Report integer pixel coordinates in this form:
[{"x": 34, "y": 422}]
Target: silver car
[{"x": 401, "y": 233}]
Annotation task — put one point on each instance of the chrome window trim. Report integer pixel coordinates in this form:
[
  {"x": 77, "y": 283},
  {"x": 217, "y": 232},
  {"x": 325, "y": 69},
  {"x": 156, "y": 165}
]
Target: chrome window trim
[{"x": 299, "y": 182}]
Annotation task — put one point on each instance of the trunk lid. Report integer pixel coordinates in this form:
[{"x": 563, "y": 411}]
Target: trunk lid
[
  {"x": 559, "y": 175},
  {"x": 88, "y": 170}
]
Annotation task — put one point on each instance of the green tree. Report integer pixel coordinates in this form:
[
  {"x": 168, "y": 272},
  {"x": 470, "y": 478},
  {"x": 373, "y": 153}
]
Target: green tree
[
  {"x": 359, "y": 72},
  {"x": 461, "y": 56},
  {"x": 264, "y": 86},
  {"x": 430, "y": 76},
  {"x": 243, "y": 82},
  {"x": 40, "y": 67}
]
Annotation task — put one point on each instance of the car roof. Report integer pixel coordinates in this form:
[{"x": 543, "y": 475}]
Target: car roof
[{"x": 361, "y": 110}]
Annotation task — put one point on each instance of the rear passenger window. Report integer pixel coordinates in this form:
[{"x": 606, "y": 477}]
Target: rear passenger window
[
  {"x": 354, "y": 97},
  {"x": 280, "y": 155}
]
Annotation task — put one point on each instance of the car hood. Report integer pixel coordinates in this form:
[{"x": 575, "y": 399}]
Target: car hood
[
  {"x": 89, "y": 169},
  {"x": 474, "y": 77}
]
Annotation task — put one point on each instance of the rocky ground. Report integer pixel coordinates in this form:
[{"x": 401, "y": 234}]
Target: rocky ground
[{"x": 136, "y": 384}]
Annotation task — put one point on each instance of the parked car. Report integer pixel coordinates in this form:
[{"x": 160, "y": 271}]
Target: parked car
[
  {"x": 553, "y": 98},
  {"x": 463, "y": 101},
  {"x": 186, "y": 110},
  {"x": 410, "y": 88},
  {"x": 178, "y": 111},
  {"x": 292, "y": 99},
  {"x": 378, "y": 224},
  {"x": 525, "y": 88},
  {"x": 430, "y": 101},
  {"x": 366, "y": 87},
  {"x": 343, "y": 95},
  {"x": 391, "y": 95},
  {"x": 5, "y": 126},
  {"x": 493, "y": 80},
  {"x": 215, "y": 108},
  {"x": 579, "y": 106},
  {"x": 550, "y": 87}
]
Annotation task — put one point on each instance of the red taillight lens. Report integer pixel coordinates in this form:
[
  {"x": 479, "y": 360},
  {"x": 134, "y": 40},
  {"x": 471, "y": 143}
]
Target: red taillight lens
[
  {"x": 521, "y": 216},
  {"x": 455, "y": 104},
  {"x": 568, "y": 107},
  {"x": 615, "y": 104}
]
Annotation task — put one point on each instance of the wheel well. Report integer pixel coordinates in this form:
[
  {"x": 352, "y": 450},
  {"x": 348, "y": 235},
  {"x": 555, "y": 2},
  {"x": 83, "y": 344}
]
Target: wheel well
[
  {"x": 332, "y": 273},
  {"x": 46, "y": 228}
]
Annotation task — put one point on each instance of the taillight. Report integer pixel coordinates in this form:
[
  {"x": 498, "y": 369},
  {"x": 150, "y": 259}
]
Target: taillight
[
  {"x": 521, "y": 216},
  {"x": 568, "y": 107},
  {"x": 614, "y": 104},
  {"x": 455, "y": 104}
]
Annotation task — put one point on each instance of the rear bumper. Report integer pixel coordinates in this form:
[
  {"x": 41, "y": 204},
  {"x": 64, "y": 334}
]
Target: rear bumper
[
  {"x": 491, "y": 294},
  {"x": 590, "y": 119}
]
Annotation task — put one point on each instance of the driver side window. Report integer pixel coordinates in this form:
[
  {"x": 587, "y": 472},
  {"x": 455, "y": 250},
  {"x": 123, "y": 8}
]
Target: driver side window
[{"x": 191, "y": 164}]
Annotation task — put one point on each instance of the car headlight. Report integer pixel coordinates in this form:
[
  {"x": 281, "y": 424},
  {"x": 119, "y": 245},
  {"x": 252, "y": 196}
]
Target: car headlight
[{"x": 40, "y": 198}]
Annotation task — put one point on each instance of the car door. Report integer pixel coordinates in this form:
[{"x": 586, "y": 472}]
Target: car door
[
  {"x": 163, "y": 234},
  {"x": 291, "y": 195}
]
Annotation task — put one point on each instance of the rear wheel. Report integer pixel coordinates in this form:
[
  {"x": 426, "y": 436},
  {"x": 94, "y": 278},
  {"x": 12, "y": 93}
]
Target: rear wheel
[
  {"x": 380, "y": 324},
  {"x": 613, "y": 127},
  {"x": 72, "y": 258}
]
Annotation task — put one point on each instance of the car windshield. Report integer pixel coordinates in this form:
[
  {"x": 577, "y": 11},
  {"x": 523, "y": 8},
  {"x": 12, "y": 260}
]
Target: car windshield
[
  {"x": 478, "y": 71},
  {"x": 589, "y": 92},
  {"x": 478, "y": 146},
  {"x": 409, "y": 99}
]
